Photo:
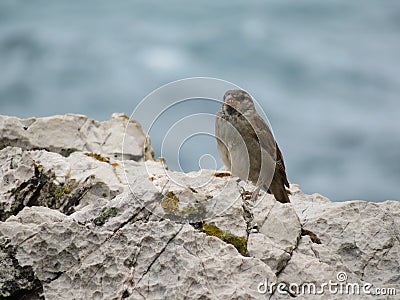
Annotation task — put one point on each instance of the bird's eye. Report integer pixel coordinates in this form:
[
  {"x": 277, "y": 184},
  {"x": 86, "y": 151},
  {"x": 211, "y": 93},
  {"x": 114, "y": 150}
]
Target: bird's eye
[{"x": 241, "y": 97}]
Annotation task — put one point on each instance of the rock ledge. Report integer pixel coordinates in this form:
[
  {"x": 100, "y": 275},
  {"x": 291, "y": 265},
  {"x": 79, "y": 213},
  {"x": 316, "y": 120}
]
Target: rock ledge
[{"x": 82, "y": 219}]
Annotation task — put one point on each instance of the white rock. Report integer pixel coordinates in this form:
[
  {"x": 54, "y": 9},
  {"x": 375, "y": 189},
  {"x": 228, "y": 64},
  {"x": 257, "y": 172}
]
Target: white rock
[
  {"x": 262, "y": 247},
  {"x": 85, "y": 226},
  {"x": 69, "y": 133}
]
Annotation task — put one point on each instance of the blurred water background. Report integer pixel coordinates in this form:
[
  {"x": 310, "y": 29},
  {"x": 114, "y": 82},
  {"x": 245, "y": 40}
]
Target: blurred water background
[{"x": 327, "y": 73}]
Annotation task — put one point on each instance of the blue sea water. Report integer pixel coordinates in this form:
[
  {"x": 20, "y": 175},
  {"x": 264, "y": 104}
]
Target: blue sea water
[{"x": 327, "y": 74}]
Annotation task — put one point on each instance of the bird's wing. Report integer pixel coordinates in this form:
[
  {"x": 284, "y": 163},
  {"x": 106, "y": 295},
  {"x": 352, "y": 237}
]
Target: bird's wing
[
  {"x": 268, "y": 143},
  {"x": 280, "y": 166},
  {"x": 263, "y": 134}
]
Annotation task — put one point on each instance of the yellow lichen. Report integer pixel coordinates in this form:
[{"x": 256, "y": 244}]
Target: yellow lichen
[
  {"x": 98, "y": 157},
  {"x": 170, "y": 203}
]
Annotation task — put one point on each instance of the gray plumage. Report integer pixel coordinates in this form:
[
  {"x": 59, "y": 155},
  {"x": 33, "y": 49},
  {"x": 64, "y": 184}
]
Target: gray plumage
[{"x": 247, "y": 146}]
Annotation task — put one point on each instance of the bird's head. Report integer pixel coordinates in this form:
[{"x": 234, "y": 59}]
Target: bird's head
[{"x": 237, "y": 102}]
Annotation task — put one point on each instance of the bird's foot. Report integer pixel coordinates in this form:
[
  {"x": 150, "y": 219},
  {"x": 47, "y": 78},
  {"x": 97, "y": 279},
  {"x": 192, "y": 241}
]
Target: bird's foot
[{"x": 246, "y": 195}]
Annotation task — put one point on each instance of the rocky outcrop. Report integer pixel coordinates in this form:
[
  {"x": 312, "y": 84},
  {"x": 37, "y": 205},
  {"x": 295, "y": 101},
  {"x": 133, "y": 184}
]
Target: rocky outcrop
[
  {"x": 82, "y": 219},
  {"x": 71, "y": 133}
]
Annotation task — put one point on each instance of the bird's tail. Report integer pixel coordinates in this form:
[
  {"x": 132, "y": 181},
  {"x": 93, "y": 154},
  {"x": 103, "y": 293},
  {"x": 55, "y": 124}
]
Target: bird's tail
[
  {"x": 277, "y": 188},
  {"x": 282, "y": 195}
]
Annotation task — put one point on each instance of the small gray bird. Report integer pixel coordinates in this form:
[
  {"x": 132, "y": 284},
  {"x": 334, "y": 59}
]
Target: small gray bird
[{"x": 247, "y": 146}]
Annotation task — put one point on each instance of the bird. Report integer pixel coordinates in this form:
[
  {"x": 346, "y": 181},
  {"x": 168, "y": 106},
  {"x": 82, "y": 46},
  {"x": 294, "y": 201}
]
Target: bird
[{"x": 247, "y": 146}]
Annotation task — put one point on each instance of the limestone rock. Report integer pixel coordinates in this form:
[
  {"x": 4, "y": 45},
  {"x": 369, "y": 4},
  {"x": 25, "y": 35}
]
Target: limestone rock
[
  {"x": 43, "y": 178},
  {"x": 81, "y": 220},
  {"x": 69, "y": 133}
]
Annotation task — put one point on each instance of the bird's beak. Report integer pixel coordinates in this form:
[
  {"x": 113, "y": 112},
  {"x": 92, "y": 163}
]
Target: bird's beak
[{"x": 229, "y": 100}]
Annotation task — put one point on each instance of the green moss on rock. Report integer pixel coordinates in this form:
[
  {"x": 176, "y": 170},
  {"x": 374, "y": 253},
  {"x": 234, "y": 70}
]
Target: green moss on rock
[
  {"x": 181, "y": 212},
  {"x": 192, "y": 213},
  {"x": 239, "y": 242},
  {"x": 106, "y": 214},
  {"x": 59, "y": 192}
]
